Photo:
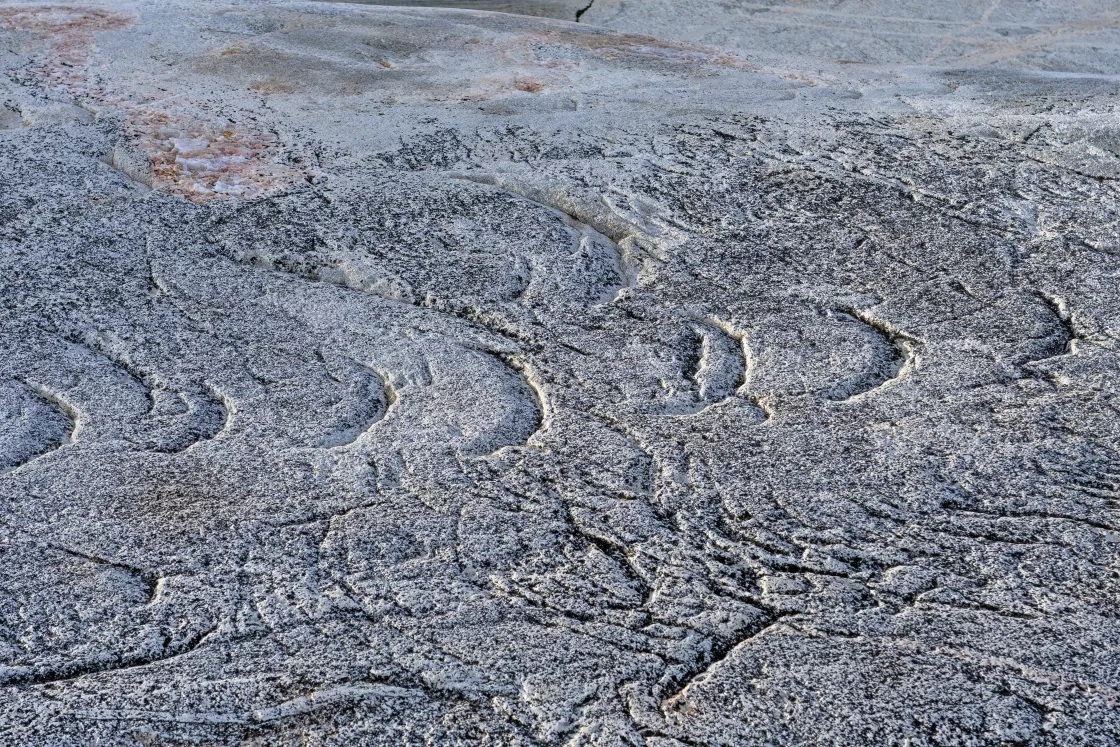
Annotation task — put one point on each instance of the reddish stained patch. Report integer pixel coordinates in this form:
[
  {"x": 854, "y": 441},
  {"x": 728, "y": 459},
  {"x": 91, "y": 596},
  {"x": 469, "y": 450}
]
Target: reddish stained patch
[
  {"x": 202, "y": 160},
  {"x": 528, "y": 85},
  {"x": 68, "y": 34},
  {"x": 63, "y": 19},
  {"x": 191, "y": 153}
]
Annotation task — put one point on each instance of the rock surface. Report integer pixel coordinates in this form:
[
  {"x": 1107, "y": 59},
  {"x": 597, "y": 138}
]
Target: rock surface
[{"x": 431, "y": 376}]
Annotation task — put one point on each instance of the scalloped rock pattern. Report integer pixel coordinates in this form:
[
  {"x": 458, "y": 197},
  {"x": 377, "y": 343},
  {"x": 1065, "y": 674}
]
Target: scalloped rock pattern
[{"x": 694, "y": 374}]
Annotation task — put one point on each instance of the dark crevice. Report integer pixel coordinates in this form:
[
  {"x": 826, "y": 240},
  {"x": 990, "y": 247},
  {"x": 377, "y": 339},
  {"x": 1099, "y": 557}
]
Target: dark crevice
[
  {"x": 720, "y": 651},
  {"x": 149, "y": 579},
  {"x": 524, "y": 371},
  {"x": 903, "y": 356},
  {"x": 66, "y": 410},
  {"x": 621, "y": 557},
  {"x": 77, "y": 670}
]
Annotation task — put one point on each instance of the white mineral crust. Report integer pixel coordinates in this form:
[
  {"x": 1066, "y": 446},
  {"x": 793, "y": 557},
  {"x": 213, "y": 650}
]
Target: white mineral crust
[{"x": 699, "y": 373}]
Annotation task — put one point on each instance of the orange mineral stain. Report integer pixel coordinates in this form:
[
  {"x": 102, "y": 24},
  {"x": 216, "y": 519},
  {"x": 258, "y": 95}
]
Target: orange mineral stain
[{"x": 191, "y": 152}]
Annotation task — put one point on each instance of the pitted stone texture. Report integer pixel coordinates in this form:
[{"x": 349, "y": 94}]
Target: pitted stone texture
[{"x": 541, "y": 384}]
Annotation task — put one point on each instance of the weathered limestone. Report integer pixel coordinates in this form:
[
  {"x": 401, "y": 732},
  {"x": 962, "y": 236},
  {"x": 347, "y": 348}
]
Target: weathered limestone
[{"x": 736, "y": 376}]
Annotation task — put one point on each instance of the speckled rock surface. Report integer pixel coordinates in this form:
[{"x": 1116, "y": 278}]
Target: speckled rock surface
[{"x": 381, "y": 376}]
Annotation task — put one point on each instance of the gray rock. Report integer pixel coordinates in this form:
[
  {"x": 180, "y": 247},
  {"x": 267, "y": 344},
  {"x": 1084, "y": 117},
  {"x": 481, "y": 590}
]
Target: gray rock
[{"x": 431, "y": 376}]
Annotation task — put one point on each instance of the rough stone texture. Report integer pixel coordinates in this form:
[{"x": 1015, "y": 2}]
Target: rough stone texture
[
  {"x": 381, "y": 376},
  {"x": 1080, "y": 36}
]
